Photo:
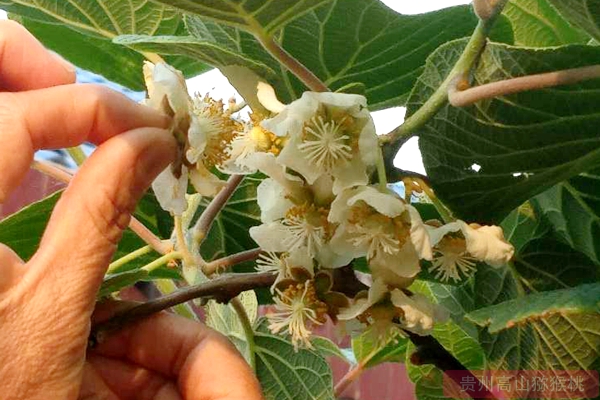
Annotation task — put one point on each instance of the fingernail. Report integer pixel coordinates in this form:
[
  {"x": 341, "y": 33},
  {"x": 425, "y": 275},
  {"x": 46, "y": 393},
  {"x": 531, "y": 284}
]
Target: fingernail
[{"x": 70, "y": 68}]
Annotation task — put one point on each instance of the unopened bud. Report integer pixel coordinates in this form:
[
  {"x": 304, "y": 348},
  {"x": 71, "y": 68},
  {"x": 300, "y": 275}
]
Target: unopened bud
[{"x": 484, "y": 8}]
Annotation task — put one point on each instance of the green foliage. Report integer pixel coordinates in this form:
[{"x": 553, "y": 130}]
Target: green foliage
[
  {"x": 288, "y": 374},
  {"x": 82, "y": 30},
  {"x": 369, "y": 352},
  {"x": 521, "y": 144},
  {"x": 379, "y": 54},
  {"x": 578, "y": 300},
  {"x": 582, "y": 13},
  {"x": 573, "y": 209},
  {"x": 536, "y": 23}
]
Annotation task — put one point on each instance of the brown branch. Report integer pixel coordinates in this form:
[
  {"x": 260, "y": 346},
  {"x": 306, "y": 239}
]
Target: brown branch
[
  {"x": 352, "y": 375},
  {"x": 222, "y": 289},
  {"x": 58, "y": 173},
  {"x": 462, "y": 98},
  {"x": 208, "y": 216},
  {"x": 229, "y": 261},
  {"x": 305, "y": 75}
]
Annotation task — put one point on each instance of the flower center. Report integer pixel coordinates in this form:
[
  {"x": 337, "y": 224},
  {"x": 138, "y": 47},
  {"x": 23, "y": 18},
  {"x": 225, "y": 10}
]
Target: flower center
[
  {"x": 218, "y": 127},
  {"x": 326, "y": 143},
  {"x": 307, "y": 227},
  {"x": 452, "y": 260}
]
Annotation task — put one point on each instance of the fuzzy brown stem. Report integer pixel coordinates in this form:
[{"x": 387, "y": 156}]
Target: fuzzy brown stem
[
  {"x": 222, "y": 289},
  {"x": 207, "y": 218},
  {"x": 229, "y": 261},
  {"x": 462, "y": 98}
]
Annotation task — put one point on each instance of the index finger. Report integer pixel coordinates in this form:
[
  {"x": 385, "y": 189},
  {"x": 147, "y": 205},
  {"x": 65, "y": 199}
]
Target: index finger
[{"x": 25, "y": 64}]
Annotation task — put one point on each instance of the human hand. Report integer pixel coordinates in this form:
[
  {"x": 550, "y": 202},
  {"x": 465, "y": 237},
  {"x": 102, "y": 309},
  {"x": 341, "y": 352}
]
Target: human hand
[{"x": 46, "y": 303}]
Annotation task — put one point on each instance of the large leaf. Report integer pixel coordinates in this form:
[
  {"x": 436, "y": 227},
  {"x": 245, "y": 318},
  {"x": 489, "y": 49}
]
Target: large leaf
[
  {"x": 260, "y": 16},
  {"x": 82, "y": 30},
  {"x": 23, "y": 230},
  {"x": 581, "y": 299},
  {"x": 583, "y": 13},
  {"x": 573, "y": 208},
  {"x": 536, "y": 23},
  {"x": 370, "y": 352},
  {"x": 385, "y": 53},
  {"x": 553, "y": 341},
  {"x": 223, "y": 318},
  {"x": 487, "y": 159},
  {"x": 286, "y": 374}
]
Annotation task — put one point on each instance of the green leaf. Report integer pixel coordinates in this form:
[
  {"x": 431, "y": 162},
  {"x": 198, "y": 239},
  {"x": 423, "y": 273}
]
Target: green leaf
[
  {"x": 582, "y": 13},
  {"x": 288, "y": 374},
  {"x": 573, "y": 209},
  {"x": 326, "y": 348},
  {"x": 536, "y": 23},
  {"x": 223, "y": 318},
  {"x": 82, "y": 30},
  {"x": 538, "y": 306},
  {"x": 23, "y": 230},
  {"x": 229, "y": 233},
  {"x": 116, "y": 282},
  {"x": 487, "y": 159},
  {"x": 368, "y": 350},
  {"x": 523, "y": 225},
  {"x": 385, "y": 53},
  {"x": 260, "y": 16}
]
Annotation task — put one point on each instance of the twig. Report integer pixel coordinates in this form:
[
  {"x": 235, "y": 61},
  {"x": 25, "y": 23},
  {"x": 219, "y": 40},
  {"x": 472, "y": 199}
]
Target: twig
[
  {"x": 350, "y": 376},
  {"x": 221, "y": 289},
  {"x": 136, "y": 226},
  {"x": 115, "y": 265},
  {"x": 305, "y": 75},
  {"x": 182, "y": 245},
  {"x": 397, "y": 137},
  {"x": 462, "y": 98},
  {"x": 248, "y": 329},
  {"x": 159, "y": 262},
  {"x": 229, "y": 261},
  {"x": 207, "y": 218}
]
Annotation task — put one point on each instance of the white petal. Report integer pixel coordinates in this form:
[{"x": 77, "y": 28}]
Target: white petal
[
  {"x": 418, "y": 311},
  {"x": 205, "y": 182},
  {"x": 330, "y": 256},
  {"x": 340, "y": 206},
  {"x": 368, "y": 143},
  {"x": 384, "y": 203},
  {"x": 292, "y": 157},
  {"x": 272, "y": 200},
  {"x": 267, "y": 97},
  {"x": 322, "y": 190},
  {"x": 170, "y": 191},
  {"x": 300, "y": 258},
  {"x": 167, "y": 81},
  {"x": 436, "y": 234},
  {"x": 354, "y": 103},
  {"x": 419, "y": 235},
  {"x": 487, "y": 244},
  {"x": 270, "y": 237},
  {"x": 197, "y": 139},
  {"x": 290, "y": 121},
  {"x": 397, "y": 269},
  {"x": 342, "y": 244},
  {"x": 376, "y": 293},
  {"x": 353, "y": 173}
]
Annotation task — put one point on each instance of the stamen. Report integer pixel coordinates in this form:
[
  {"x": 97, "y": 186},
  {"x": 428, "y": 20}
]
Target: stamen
[{"x": 327, "y": 145}]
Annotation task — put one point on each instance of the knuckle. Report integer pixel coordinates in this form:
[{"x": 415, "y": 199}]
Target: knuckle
[{"x": 108, "y": 216}]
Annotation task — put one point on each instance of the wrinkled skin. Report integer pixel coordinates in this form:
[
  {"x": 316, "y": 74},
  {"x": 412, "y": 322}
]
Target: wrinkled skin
[{"x": 46, "y": 303}]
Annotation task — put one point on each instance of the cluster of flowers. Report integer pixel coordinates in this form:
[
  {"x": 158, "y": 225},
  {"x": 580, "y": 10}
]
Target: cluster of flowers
[{"x": 318, "y": 210}]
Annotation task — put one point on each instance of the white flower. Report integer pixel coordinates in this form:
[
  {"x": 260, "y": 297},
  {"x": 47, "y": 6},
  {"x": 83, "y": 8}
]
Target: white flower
[
  {"x": 382, "y": 227},
  {"x": 418, "y": 312},
  {"x": 283, "y": 263},
  {"x": 329, "y": 133},
  {"x": 200, "y": 125},
  {"x": 297, "y": 309},
  {"x": 455, "y": 254},
  {"x": 376, "y": 293}
]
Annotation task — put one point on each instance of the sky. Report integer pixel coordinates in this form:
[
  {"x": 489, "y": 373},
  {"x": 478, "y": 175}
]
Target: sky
[{"x": 409, "y": 157}]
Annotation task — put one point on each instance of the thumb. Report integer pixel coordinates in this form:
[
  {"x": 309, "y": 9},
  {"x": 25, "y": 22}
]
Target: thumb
[{"x": 89, "y": 219}]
